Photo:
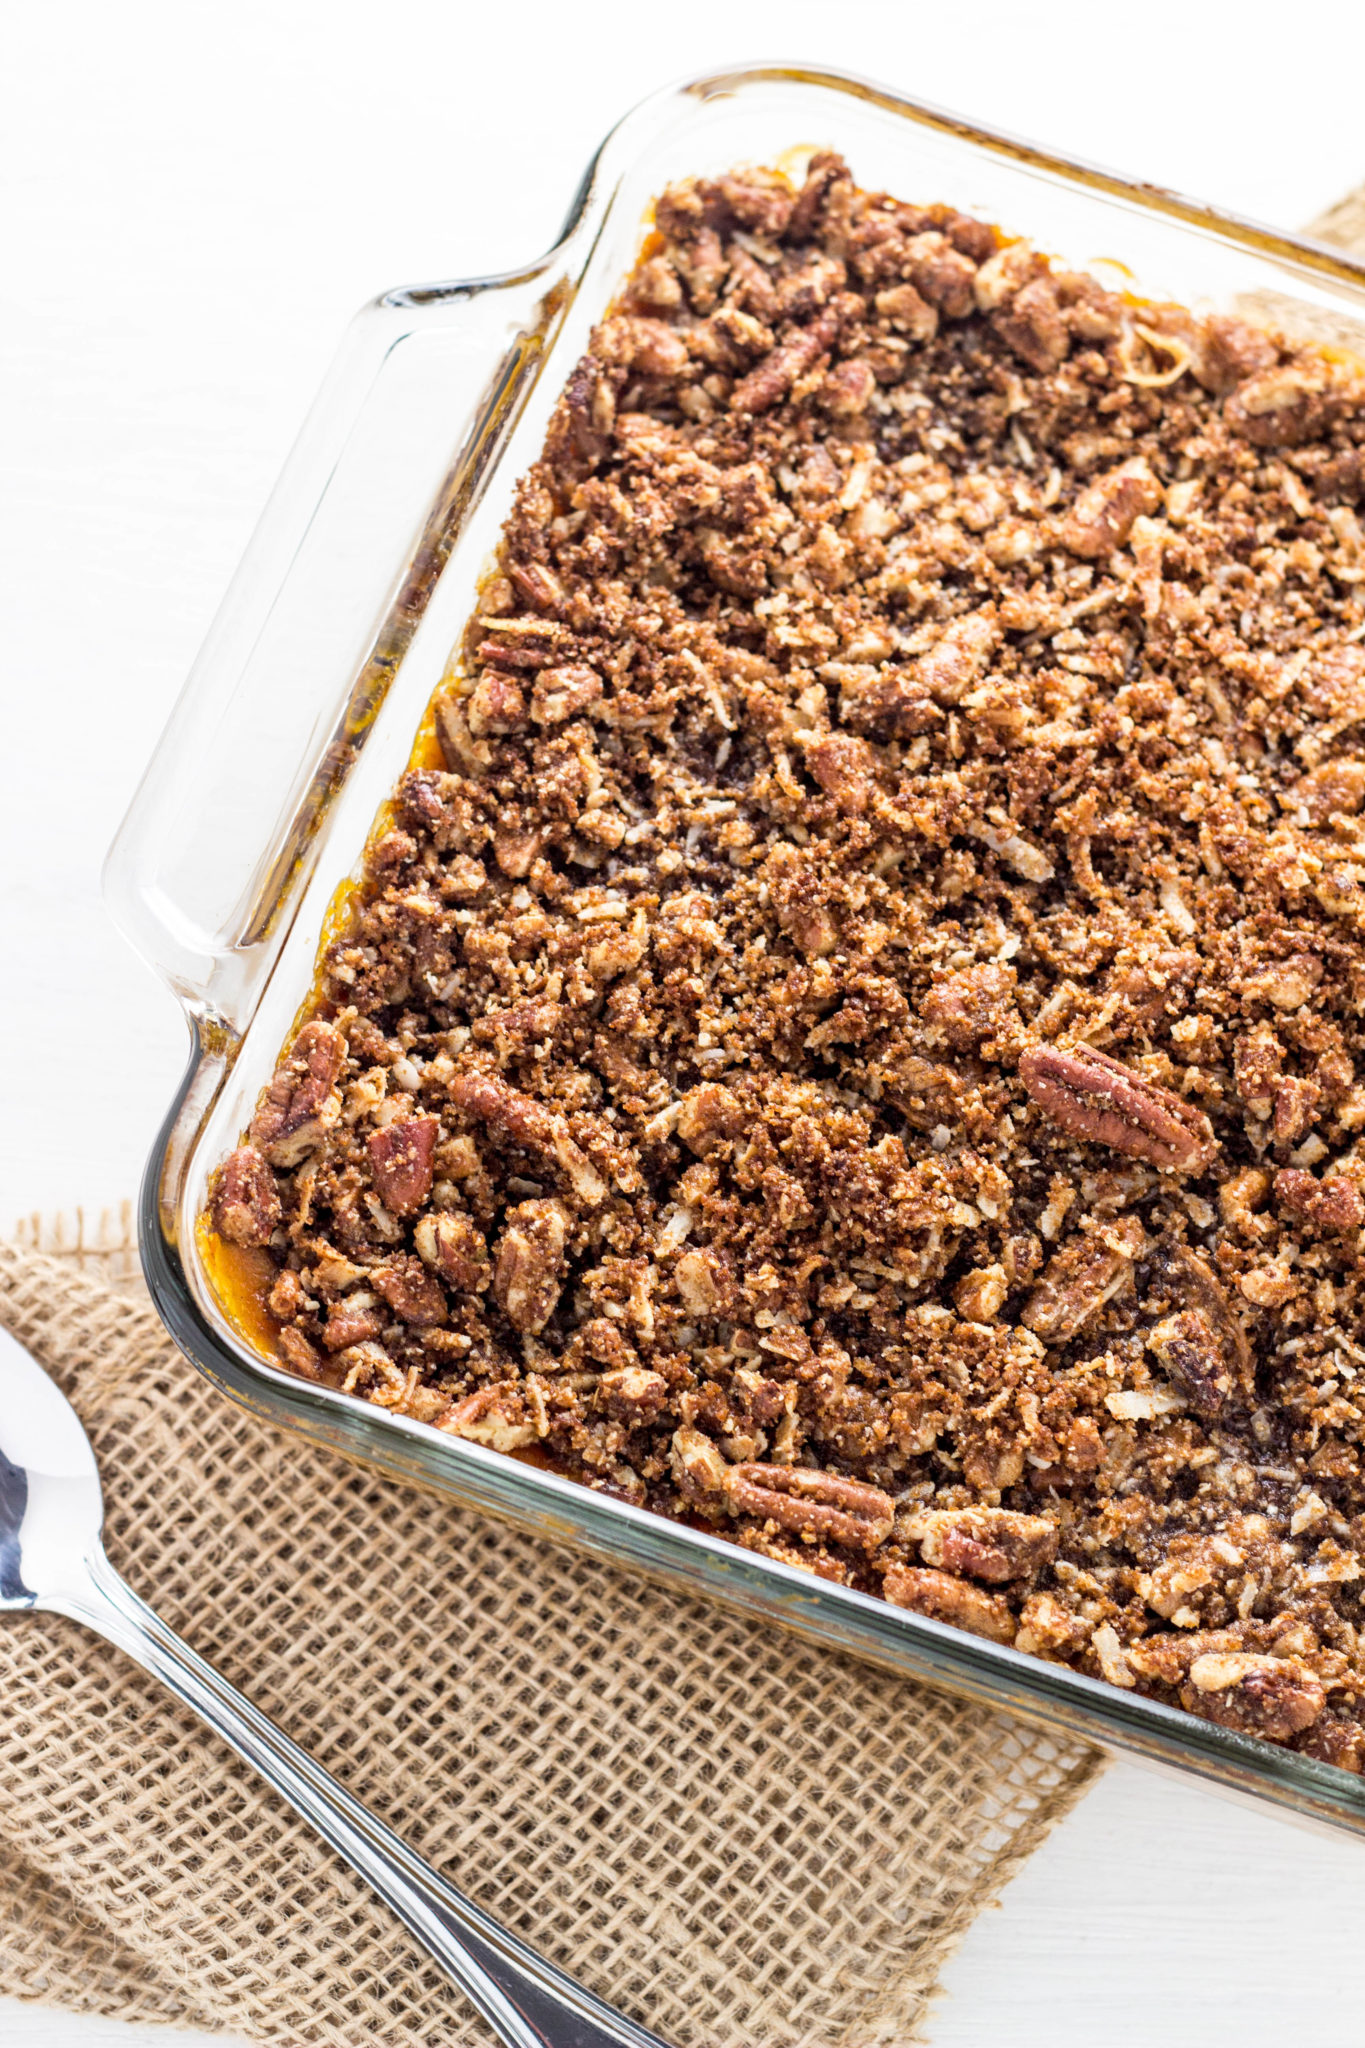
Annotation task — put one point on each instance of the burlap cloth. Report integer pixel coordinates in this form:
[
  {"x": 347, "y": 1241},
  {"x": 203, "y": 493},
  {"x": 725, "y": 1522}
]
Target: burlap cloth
[{"x": 736, "y": 1838}]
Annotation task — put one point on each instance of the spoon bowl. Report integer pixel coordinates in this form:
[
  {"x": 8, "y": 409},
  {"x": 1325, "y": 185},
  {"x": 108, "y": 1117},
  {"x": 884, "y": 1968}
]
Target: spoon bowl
[{"x": 51, "y": 1505}]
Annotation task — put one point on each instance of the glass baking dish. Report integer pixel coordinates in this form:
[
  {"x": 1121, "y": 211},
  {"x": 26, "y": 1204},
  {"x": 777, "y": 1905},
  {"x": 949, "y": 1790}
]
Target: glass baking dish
[{"x": 301, "y": 711}]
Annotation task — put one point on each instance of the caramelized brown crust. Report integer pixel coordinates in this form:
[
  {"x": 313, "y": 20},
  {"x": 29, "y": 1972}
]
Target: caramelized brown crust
[{"x": 858, "y": 1044}]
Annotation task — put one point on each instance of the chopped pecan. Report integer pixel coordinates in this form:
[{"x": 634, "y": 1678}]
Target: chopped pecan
[
  {"x": 1104, "y": 514},
  {"x": 454, "y": 1245},
  {"x": 707, "y": 1116},
  {"x": 1274, "y": 1697},
  {"x": 516, "y": 848},
  {"x": 1330, "y": 1207},
  {"x": 1336, "y": 787},
  {"x": 602, "y": 1340},
  {"x": 1100, "y": 1100},
  {"x": 944, "y": 1598},
  {"x": 636, "y": 342},
  {"x": 1240, "y": 1196},
  {"x": 1296, "y": 1101},
  {"x": 1203, "y": 1344},
  {"x": 826, "y": 175},
  {"x": 495, "y": 704},
  {"x": 298, "y": 1354},
  {"x": 1033, "y": 326},
  {"x": 697, "y": 1466},
  {"x": 980, "y": 1294},
  {"x": 774, "y": 376},
  {"x": 972, "y": 1005},
  {"x": 245, "y": 1204},
  {"x": 960, "y": 657},
  {"x": 286, "y": 1298},
  {"x": 1282, "y": 406},
  {"x": 798, "y": 890},
  {"x": 633, "y": 1394},
  {"x": 355, "y": 1319},
  {"x": 847, "y": 389},
  {"x": 705, "y": 1282},
  {"x": 521, "y": 1120},
  {"x": 1229, "y": 352},
  {"x": 1335, "y": 1741},
  {"x": 301, "y": 1103},
  {"x": 812, "y": 1504},
  {"x": 496, "y": 1416},
  {"x": 1092, "y": 313},
  {"x": 401, "y": 1161},
  {"x": 1047, "y": 1628},
  {"x": 845, "y": 769},
  {"x": 905, "y": 309},
  {"x": 887, "y": 700},
  {"x": 409, "y": 1289},
  {"x": 528, "y": 1264},
  {"x": 561, "y": 693},
  {"x": 1286, "y": 985},
  {"x": 984, "y": 1543},
  {"x": 1258, "y": 1067},
  {"x": 942, "y": 275},
  {"x": 1189, "y": 1351},
  {"x": 1076, "y": 1284}
]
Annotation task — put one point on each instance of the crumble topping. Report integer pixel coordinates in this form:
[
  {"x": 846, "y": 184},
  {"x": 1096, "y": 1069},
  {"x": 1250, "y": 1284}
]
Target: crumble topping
[{"x": 856, "y": 1045}]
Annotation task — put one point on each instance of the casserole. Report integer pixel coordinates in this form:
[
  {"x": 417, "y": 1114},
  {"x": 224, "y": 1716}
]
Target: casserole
[{"x": 243, "y": 968}]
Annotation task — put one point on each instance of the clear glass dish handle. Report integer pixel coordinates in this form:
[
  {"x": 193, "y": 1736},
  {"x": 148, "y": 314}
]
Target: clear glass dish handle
[
  {"x": 218, "y": 842},
  {"x": 526, "y": 2001}
]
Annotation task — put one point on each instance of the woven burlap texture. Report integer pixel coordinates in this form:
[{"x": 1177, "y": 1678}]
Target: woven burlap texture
[{"x": 735, "y": 1837}]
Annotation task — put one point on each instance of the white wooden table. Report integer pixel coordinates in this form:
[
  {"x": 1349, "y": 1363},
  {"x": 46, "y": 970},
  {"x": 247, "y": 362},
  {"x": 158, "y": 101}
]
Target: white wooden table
[{"x": 194, "y": 201}]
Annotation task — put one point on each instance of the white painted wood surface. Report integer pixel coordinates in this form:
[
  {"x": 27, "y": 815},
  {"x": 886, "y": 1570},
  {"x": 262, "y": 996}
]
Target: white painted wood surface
[{"x": 194, "y": 201}]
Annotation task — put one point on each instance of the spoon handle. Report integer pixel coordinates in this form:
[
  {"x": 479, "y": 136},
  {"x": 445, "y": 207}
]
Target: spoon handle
[{"x": 526, "y": 2001}]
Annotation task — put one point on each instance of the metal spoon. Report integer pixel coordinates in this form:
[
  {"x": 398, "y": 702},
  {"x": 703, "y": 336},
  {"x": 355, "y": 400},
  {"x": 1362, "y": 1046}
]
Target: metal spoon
[{"x": 51, "y": 1557}]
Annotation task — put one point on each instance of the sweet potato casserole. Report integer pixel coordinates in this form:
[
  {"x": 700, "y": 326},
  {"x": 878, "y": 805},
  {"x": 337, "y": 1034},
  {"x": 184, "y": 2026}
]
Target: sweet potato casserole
[{"x": 849, "y": 1030}]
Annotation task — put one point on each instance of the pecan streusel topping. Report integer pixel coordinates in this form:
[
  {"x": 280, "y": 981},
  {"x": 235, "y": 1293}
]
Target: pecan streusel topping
[{"x": 857, "y": 1045}]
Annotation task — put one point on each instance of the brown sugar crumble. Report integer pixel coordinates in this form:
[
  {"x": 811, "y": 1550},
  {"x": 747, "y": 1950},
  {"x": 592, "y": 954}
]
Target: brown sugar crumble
[{"x": 858, "y": 1046}]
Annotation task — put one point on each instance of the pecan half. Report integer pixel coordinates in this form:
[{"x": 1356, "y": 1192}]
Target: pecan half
[
  {"x": 812, "y": 1504},
  {"x": 944, "y": 1598},
  {"x": 246, "y": 1202},
  {"x": 1106, "y": 1103}
]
